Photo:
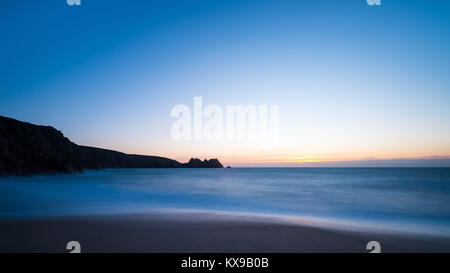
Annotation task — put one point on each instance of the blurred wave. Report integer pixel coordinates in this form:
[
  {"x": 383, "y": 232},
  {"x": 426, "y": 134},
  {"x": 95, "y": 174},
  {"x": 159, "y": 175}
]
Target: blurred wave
[{"x": 401, "y": 198}]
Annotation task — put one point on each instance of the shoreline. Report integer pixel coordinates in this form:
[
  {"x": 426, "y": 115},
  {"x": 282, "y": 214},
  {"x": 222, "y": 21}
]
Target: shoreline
[{"x": 198, "y": 232}]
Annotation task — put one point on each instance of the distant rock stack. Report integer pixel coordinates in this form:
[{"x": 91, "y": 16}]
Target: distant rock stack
[
  {"x": 27, "y": 149},
  {"x": 197, "y": 163}
]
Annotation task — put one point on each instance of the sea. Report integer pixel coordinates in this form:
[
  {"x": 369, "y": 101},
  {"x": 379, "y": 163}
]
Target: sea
[{"x": 415, "y": 200}]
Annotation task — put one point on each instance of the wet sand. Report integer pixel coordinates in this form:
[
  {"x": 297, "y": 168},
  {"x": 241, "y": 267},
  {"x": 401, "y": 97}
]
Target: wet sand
[{"x": 197, "y": 233}]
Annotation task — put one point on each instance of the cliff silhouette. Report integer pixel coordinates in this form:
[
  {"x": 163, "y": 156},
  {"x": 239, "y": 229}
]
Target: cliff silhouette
[{"x": 27, "y": 149}]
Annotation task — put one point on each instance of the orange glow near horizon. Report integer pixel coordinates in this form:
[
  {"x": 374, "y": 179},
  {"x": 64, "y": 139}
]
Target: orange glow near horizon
[
  {"x": 245, "y": 154},
  {"x": 318, "y": 159}
]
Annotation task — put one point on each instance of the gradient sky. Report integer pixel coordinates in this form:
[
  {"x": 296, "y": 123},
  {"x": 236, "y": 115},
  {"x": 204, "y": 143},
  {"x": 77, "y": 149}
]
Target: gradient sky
[{"x": 354, "y": 82}]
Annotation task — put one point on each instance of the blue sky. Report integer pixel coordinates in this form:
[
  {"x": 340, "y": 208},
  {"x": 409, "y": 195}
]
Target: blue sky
[{"x": 354, "y": 82}]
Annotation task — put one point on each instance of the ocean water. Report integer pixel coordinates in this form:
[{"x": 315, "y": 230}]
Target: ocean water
[{"x": 401, "y": 199}]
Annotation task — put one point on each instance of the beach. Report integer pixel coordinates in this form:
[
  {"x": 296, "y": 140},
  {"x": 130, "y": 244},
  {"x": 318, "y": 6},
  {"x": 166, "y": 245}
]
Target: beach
[
  {"x": 197, "y": 232},
  {"x": 225, "y": 127},
  {"x": 240, "y": 210}
]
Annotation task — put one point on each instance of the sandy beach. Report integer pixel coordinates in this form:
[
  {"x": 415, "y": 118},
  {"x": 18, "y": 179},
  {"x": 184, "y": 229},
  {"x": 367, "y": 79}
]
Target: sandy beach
[{"x": 197, "y": 233}]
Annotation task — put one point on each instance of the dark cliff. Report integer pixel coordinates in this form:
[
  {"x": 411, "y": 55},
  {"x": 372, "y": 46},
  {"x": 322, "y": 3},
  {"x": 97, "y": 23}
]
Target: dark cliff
[{"x": 26, "y": 148}]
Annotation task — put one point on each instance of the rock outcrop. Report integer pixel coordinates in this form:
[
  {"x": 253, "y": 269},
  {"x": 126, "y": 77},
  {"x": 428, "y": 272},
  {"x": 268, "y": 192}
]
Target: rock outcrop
[
  {"x": 26, "y": 149},
  {"x": 197, "y": 163}
]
